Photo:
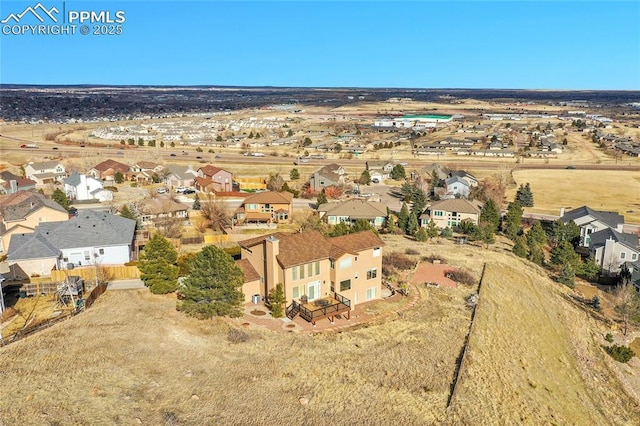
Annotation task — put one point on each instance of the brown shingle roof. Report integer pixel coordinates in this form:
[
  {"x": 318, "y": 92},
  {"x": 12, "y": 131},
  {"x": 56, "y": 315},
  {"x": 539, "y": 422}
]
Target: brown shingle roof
[
  {"x": 162, "y": 205},
  {"x": 355, "y": 209},
  {"x": 355, "y": 243},
  {"x": 269, "y": 197},
  {"x": 250, "y": 274},
  {"x": 113, "y": 165},
  {"x": 459, "y": 205},
  {"x": 210, "y": 170}
]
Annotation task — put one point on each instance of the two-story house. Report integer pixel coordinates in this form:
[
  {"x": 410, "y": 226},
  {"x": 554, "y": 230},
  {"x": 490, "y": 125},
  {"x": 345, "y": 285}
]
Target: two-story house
[
  {"x": 330, "y": 175},
  {"x": 158, "y": 210},
  {"x": 89, "y": 239},
  {"x": 591, "y": 221},
  {"x": 379, "y": 168},
  {"x": 456, "y": 187},
  {"x": 10, "y": 183},
  {"x": 180, "y": 176},
  {"x": 21, "y": 212},
  {"x": 84, "y": 188},
  {"x": 45, "y": 172},
  {"x": 451, "y": 212},
  {"x": 107, "y": 170},
  {"x": 144, "y": 171},
  {"x": 351, "y": 210},
  {"x": 610, "y": 249},
  {"x": 321, "y": 276},
  {"x": 214, "y": 179},
  {"x": 265, "y": 207}
]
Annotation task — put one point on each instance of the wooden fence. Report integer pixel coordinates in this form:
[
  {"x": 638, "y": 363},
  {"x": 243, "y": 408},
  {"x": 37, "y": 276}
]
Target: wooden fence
[
  {"x": 216, "y": 238},
  {"x": 95, "y": 293},
  {"x": 104, "y": 273}
]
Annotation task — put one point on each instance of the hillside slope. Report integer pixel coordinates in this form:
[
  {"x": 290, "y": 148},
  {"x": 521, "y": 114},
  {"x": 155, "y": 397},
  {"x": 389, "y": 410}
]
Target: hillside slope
[{"x": 534, "y": 358}]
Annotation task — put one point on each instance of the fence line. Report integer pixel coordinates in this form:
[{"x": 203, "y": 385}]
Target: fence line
[
  {"x": 465, "y": 348},
  {"x": 90, "y": 273}
]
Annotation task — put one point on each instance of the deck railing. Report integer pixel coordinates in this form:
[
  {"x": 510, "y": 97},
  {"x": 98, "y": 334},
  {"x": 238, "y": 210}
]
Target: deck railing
[{"x": 340, "y": 304}]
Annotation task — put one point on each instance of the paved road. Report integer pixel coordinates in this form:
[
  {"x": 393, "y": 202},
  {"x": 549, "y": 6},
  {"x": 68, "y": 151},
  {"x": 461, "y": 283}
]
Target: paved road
[{"x": 125, "y": 285}]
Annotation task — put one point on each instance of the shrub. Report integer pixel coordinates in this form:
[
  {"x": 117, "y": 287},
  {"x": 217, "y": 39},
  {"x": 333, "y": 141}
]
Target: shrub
[
  {"x": 111, "y": 188},
  {"x": 411, "y": 251},
  {"x": 461, "y": 276},
  {"x": 620, "y": 353},
  {"x": 237, "y": 336},
  {"x": 398, "y": 261},
  {"x": 446, "y": 233},
  {"x": 434, "y": 257},
  {"x": 131, "y": 263},
  {"x": 609, "y": 337}
]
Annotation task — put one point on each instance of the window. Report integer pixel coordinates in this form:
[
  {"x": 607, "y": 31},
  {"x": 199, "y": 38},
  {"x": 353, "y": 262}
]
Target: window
[
  {"x": 439, "y": 213},
  {"x": 296, "y": 292},
  {"x": 301, "y": 271},
  {"x": 332, "y": 264},
  {"x": 317, "y": 268},
  {"x": 356, "y": 258},
  {"x": 371, "y": 293},
  {"x": 295, "y": 274},
  {"x": 86, "y": 255},
  {"x": 376, "y": 252},
  {"x": 372, "y": 273},
  {"x": 345, "y": 263},
  {"x": 101, "y": 251},
  {"x": 310, "y": 269},
  {"x": 634, "y": 256},
  {"x": 345, "y": 285},
  {"x": 333, "y": 286},
  {"x": 623, "y": 255}
]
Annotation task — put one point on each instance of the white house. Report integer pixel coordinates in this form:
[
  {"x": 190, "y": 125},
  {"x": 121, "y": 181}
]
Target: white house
[
  {"x": 45, "y": 172},
  {"x": 83, "y": 188},
  {"x": 591, "y": 221},
  {"x": 611, "y": 249},
  {"x": 456, "y": 187}
]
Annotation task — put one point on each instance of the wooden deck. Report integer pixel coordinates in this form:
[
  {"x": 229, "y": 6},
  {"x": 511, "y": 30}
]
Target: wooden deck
[{"x": 325, "y": 307}]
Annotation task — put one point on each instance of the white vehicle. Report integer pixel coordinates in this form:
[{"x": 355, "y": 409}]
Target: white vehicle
[
  {"x": 162, "y": 190},
  {"x": 180, "y": 189},
  {"x": 258, "y": 154}
]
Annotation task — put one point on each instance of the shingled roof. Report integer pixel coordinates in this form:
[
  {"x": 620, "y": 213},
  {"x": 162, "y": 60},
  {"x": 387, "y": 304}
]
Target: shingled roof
[
  {"x": 355, "y": 209},
  {"x": 612, "y": 219},
  {"x": 249, "y": 272},
  {"x": 113, "y": 165},
  {"x": 19, "y": 205},
  {"x": 269, "y": 197},
  {"x": 600, "y": 238},
  {"x": 310, "y": 246},
  {"x": 458, "y": 205}
]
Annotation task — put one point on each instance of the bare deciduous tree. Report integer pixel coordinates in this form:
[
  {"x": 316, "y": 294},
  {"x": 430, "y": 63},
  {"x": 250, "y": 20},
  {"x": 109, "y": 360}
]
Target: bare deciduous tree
[
  {"x": 627, "y": 303},
  {"x": 214, "y": 212},
  {"x": 170, "y": 227}
]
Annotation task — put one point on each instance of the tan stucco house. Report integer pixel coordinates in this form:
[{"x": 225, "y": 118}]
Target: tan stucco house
[{"x": 450, "y": 213}]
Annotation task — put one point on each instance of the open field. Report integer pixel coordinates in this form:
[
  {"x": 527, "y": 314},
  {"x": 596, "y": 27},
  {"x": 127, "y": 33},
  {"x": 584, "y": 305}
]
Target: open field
[
  {"x": 610, "y": 190},
  {"x": 133, "y": 358}
]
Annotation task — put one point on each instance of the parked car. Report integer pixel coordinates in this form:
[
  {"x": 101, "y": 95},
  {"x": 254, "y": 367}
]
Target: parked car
[
  {"x": 180, "y": 189},
  {"x": 217, "y": 156},
  {"x": 198, "y": 158},
  {"x": 162, "y": 190},
  {"x": 189, "y": 191},
  {"x": 172, "y": 155},
  {"x": 55, "y": 147}
]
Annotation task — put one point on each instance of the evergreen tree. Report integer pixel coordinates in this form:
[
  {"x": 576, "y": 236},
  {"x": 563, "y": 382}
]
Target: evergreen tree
[
  {"x": 421, "y": 235},
  {"x": 322, "y": 198},
  {"x": 490, "y": 214},
  {"x": 407, "y": 191},
  {"x": 524, "y": 195},
  {"x": 561, "y": 231},
  {"x": 536, "y": 255},
  {"x": 214, "y": 286},
  {"x": 365, "y": 178},
  {"x": 418, "y": 202},
  {"x": 157, "y": 265},
  {"x": 294, "y": 174},
  {"x": 277, "y": 300},
  {"x": 61, "y": 198},
  {"x": 520, "y": 247},
  {"x": 412, "y": 225},
  {"x": 362, "y": 225},
  {"x": 432, "y": 229},
  {"x": 125, "y": 211},
  {"x": 403, "y": 217},
  {"x": 567, "y": 275},
  {"x": 589, "y": 269},
  {"x": 513, "y": 221},
  {"x": 398, "y": 172},
  {"x": 118, "y": 177},
  {"x": 196, "y": 203},
  {"x": 339, "y": 230},
  {"x": 564, "y": 254},
  {"x": 536, "y": 235}
]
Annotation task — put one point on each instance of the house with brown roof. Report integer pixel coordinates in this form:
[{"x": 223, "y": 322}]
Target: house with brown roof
[
  {"x": 21, "y": 212},
  {"x": 214, "y": 179},
  {"x": 265, "y": 207},
  {"x": 451, "y": 212},
  {"x": 45, "y": 172},
  {"x": 11, "y": 183},
  {"x": 107, "y": 170},
  {"x": 143, "y": 171},
  {"x": 177, "y": 176},
  {"x": 157, "y": 210},
  {"x": 321, "y": 276},
  {"x": 330, "y": 175},
  {"x": 351, "y": 210}
]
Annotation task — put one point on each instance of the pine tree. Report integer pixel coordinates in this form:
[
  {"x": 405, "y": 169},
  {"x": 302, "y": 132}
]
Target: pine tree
[
  {"x": 520, "y": 247},
  {"x": 157, "y": 264},
  {"x": 61, "y": 198},
  {"x": 125, "y": 211},
  {"x": 214, "y": 286},
  {"x": 421, "y": 235},
  {"x": 513, "y": 221},
  {"x": 536, "y": 235},
  {"x": 564, "y": 254},
  {"x": 362, "y": 225},
  {"x": 294, "y": 174},
  {"x": 339, "y": 230},
  {"x": 403, "y": 217},
  {"x": 277, "y": 300},
  {"x": 490, "y": 214},
  {"x": 398, "y": 172},
  {"x": 196, "y": 203},
  {"x": 118, "y": 177},
  {"x": 567, "y": 276},
  {"x": 322, "y": 198},
  {"x": 365, "y": 178},
  {"x": 412, "y": 225},
  {"x": 418, "y": 202},
  {"x": 524, "y": 195},
  {"x": 432, "y": 229}
]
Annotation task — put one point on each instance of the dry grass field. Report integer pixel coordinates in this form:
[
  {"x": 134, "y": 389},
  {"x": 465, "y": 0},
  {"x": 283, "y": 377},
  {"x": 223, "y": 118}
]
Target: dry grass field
[
  {"x": 132, "y": 358},
  {"x": 607, "y": 190}
]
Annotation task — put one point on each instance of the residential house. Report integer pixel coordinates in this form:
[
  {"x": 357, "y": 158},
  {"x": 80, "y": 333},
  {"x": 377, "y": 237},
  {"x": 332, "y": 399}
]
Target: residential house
[
  {"x": 456, "y": 187},
  {"x": 316, "y": 271},
  {"x": 467, "y": 177},
  {"x": 89, "y": 239},
  {"x": 380, "y": 168},
  {"x": 330, "y": 175},
  {"x": 265, "y": 207},
  {"x": 107, "y": 170},
  {"x": 85, "y": 188},
  {"x": 157, "y": 210},
  {"x": 611, "y": 249},
  {"x": 23, "y": 211},
  {"x": 214, "y": 179},
  {"x": 451, "y": 212},
  {"x": 177, "y": 176},
  {"x": 143, "y": 171},
  {"x": 10, "y": 183},
  {"x": 349, "y": 211},
  {"x": 45, "y": 172},
  {"x": 591, "y": 221}
]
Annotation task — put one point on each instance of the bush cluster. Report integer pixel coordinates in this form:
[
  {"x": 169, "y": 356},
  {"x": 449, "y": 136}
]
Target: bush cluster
[
  {"x": 398, "y": 261},
  {"x": 620, "y": 353},
  {"x": 461, "y": 276}
]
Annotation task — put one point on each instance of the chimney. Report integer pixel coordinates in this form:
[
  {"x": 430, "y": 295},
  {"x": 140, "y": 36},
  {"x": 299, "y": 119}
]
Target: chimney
[
  {"x": 272, "y": 249},
  {"x": 14, "y": 186},
  {"x": 608, "y": 255},
  {"x": 561, "y": 211}
]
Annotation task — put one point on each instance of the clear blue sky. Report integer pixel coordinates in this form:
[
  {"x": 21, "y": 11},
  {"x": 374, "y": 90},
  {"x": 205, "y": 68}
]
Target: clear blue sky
[{"x": 426, "y": 44}]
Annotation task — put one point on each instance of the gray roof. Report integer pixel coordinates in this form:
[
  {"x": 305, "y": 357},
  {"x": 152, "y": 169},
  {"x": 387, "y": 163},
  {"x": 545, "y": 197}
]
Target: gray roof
[
  {"x": 88, "y": 229},
  {"x": 599, "y": 238},
  {"x": 455, "y": 179},
  {"x": 27, "y": 203},
  {"x": 612, "y": 219},
  {"x": 44, "y": 165},
  {"x": 73, "y": 180},
  {"x": 182, "y": 172},
  {"x": 355, "y": 209}
]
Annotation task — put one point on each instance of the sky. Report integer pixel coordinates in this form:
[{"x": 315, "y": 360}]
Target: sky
[{"x": 564, "y": 45}]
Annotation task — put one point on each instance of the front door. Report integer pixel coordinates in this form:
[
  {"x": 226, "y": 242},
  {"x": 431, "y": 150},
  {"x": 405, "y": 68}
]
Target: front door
[{"x": 313, "y": 290}]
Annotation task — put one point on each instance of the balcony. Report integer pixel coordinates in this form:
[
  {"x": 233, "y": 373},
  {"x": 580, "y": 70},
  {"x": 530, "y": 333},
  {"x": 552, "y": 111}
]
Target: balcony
[{"x": 325, "y": 307}]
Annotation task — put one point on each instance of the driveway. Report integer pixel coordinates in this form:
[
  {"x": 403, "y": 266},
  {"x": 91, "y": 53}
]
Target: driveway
[{"x": 125, "y": 285}]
